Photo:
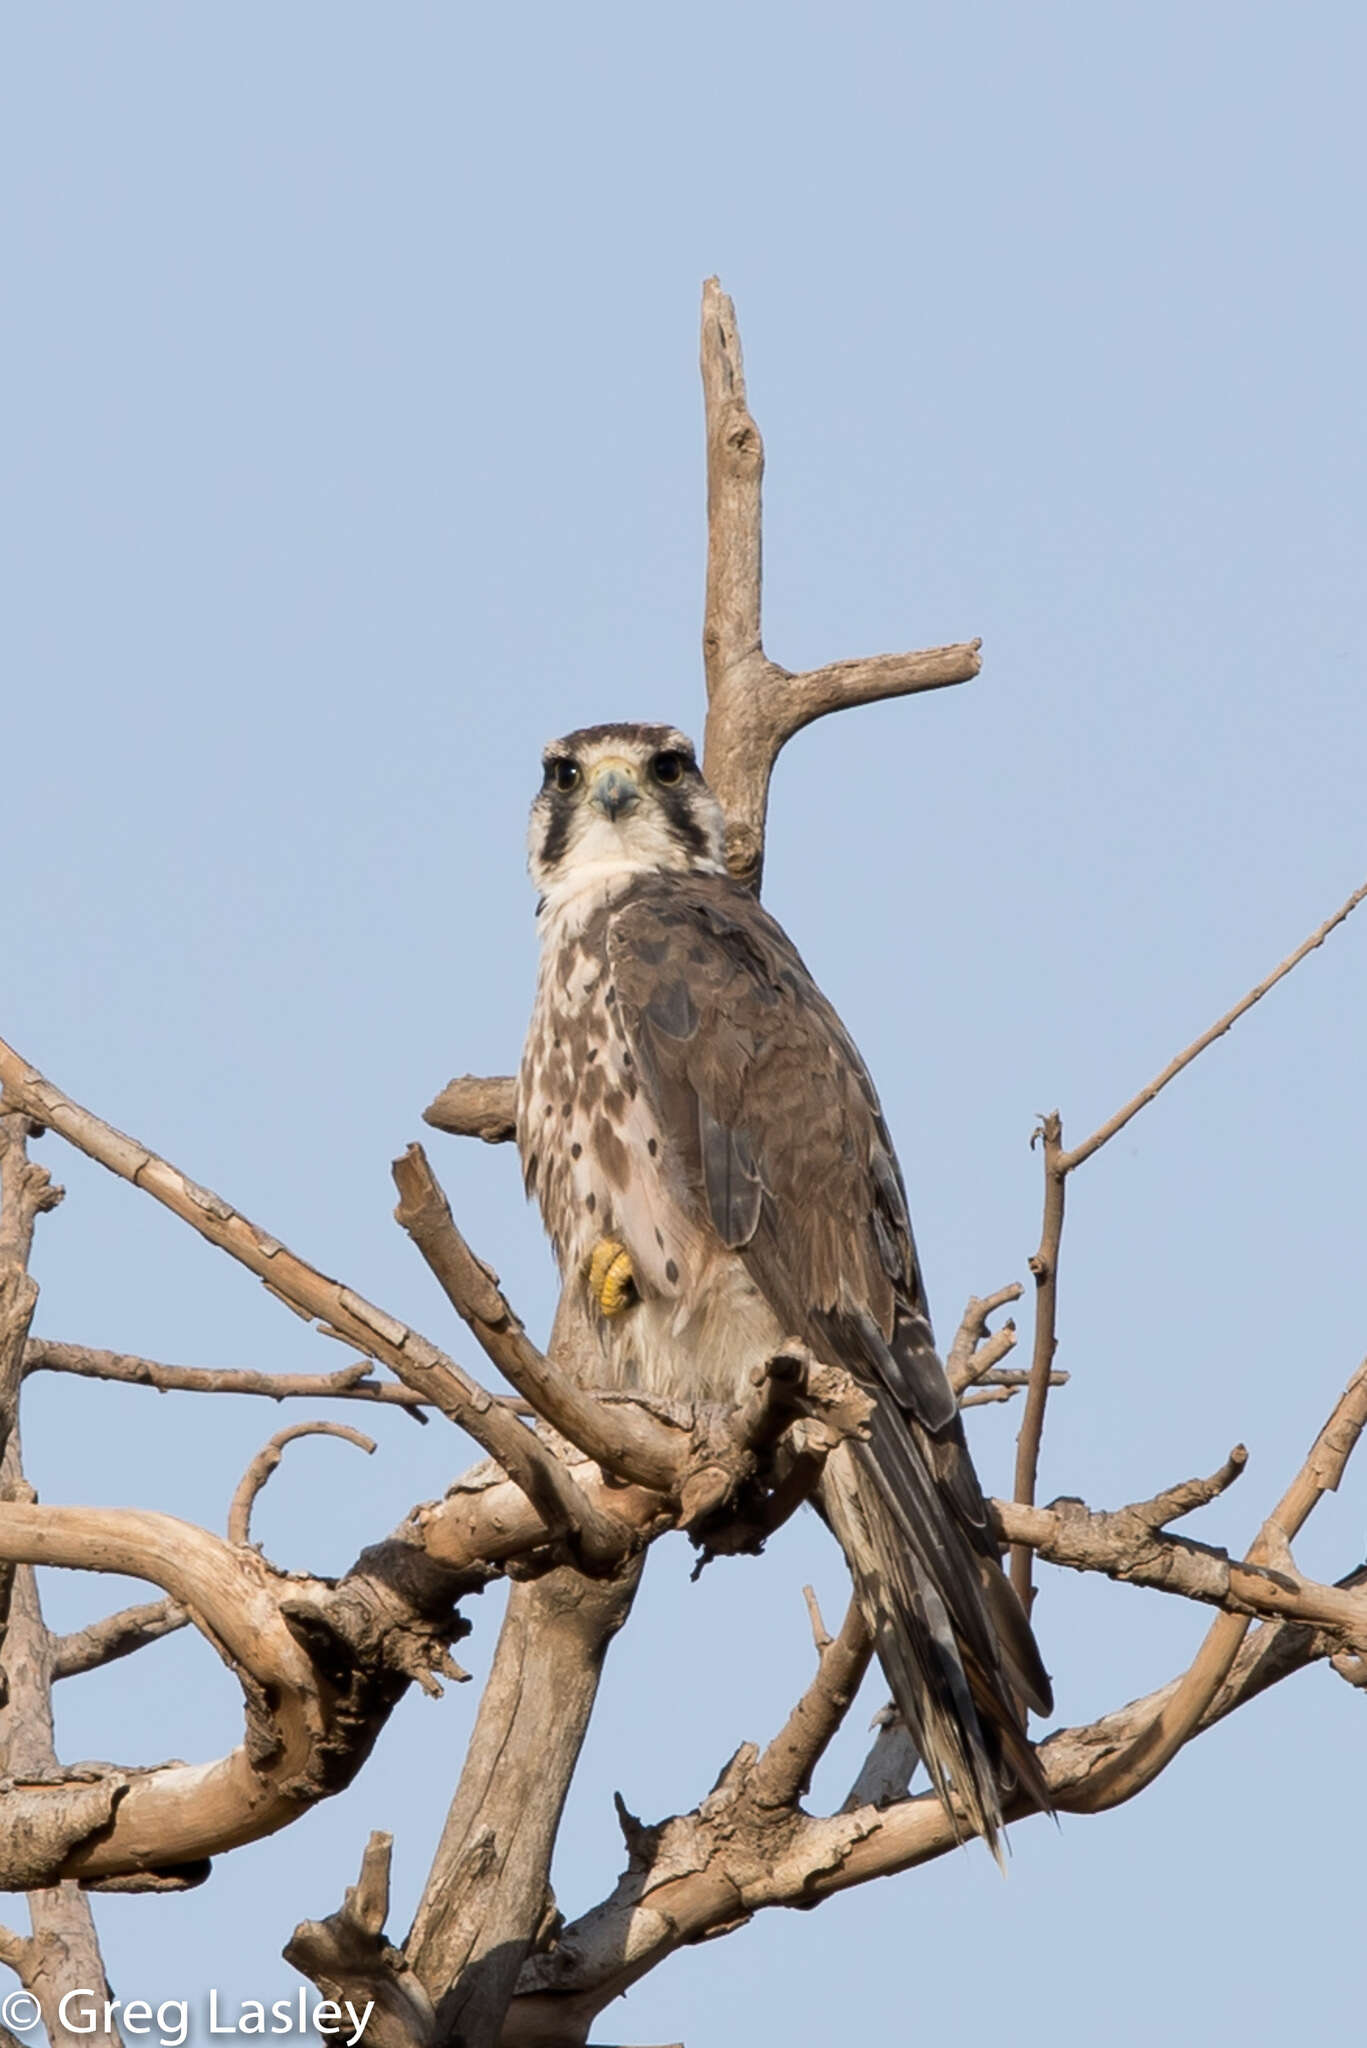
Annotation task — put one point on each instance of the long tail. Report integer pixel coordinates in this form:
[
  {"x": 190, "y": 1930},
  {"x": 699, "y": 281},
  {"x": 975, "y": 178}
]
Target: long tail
[{"x": 954, "y": 1644}]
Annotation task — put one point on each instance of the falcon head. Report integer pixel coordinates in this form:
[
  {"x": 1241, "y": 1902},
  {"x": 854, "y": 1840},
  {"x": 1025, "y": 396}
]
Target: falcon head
[{"x": 622, "y": 799}]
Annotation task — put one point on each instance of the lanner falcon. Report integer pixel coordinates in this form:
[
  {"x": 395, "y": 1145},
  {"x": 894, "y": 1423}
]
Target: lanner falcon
[{"x": 714, "y": 1171}]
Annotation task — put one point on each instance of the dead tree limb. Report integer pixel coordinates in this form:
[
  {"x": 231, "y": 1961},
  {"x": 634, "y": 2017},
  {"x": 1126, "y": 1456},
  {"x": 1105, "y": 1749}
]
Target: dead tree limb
[
  {"x": 26, "y": 1192},
  {"x": 418, "y": 1363},
  {"x": 309, "y": 1724},
  {"x": 1058, "y": 1164},
  {"x": 488, "y": 1890},
  {"x": 700, "y": 1874},
  {"x": 1105, "y": 1132},
  {"x": 626, "y": 1441},
  {"x": 349, "y": 1959},
  {"x": 476, "y": 1106},
  {"x": 753, "y": 706},
  {"x": 117, "y": 1635},
  {"x": 1155, "y": 1746},
  {"x": 63, "y": 1947},
  {"x": 347, "y": 1383}
]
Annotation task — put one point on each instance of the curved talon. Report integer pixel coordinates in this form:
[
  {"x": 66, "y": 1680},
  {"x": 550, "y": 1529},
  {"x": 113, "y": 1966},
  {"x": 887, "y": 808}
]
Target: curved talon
[{"x": 611, "y": 1276}]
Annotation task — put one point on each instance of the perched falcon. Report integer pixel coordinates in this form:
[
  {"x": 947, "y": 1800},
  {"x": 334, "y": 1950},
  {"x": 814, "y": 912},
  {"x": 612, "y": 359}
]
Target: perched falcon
[{"x": 714, "y": 1171}]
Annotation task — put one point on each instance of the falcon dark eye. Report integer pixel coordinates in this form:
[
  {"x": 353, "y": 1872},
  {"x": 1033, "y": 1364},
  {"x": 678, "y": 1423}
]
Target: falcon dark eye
[
  {"x": 563, "y": 773},
  {"x": 668, "y": 767}
]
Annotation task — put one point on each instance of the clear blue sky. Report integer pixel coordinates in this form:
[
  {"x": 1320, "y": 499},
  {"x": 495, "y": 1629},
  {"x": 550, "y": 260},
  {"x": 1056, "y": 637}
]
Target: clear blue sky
[{"x": 353, "y": 451}]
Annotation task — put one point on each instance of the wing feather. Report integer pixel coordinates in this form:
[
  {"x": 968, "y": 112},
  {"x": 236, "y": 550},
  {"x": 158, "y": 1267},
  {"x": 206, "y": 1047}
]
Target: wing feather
[{"x": 776, "y": 1134}]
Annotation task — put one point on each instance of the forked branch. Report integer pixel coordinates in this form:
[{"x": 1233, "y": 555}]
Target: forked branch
[
  {"x": 339, "y": 1309},
  {"x": 753, "y": 706},
  {"x": 1058, "y": 1164},
  {"x": 1266, "y": 1583}
]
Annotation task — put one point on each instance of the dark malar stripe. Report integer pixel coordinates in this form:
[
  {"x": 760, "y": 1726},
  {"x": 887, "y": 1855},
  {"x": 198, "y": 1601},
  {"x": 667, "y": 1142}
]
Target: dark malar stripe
[
  {"x": 675, "y": 800},
  {"x": 558, "y": 831}
]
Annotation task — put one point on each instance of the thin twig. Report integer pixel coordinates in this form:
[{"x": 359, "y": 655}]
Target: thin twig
[
  {"x": 821, "y": 1635},
  {"x": 1004, "y": 1386},
  {"x": 1044, "y": 1267},
  {"x": 348, "y": 1383},
  {"x": 266, "y": 1461},
  {"x": 1058, "y": 1164},
  {"x": 1107, "y": 1131}
]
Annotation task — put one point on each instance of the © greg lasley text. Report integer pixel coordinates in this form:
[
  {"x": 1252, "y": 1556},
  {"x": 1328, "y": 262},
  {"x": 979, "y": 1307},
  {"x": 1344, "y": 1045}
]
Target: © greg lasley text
[{"x": 168, "y": 2020}]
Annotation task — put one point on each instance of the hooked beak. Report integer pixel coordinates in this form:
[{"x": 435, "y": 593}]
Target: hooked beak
[{"x": 613, "y": 788}]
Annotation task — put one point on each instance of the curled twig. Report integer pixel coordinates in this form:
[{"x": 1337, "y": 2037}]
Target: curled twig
[{"x": 265, "y": 1462}]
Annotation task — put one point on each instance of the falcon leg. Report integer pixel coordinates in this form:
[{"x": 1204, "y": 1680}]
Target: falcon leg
[{"x": 612, "y": 1280}]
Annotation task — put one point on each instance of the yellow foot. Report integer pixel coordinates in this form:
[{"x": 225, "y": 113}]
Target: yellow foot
[{"x": 612, "y": 1281}]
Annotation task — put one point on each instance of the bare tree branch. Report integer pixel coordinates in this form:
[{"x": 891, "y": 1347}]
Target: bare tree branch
[
  {"x": 1351, "y": 1669},
  {"x": 349, "y": 1959},
  {"x": 476, "y": 1106},
  {"x": 63, "y": 1939},
  {"x": 1107, "y": 1131},
  {"x": 996, "y": 1386},
  {"x": 488, "y": 1893},
  {"x": 1155, "y": 1747},
  {"x": 418, "y": 1363},
  {"x": 753, "y": 706},
  {"x": 117, "y": 1635},
  {"x": 783, "y": 1771},
  {"x": 320, "y": 1665},
  {"x": 1058, "y": 1164},
  {"x": 626, "y": 1441},
  {"x": 266, "y": 1461},
  {"x": 62, "y": 1936},
  {"x": 701, "y": 1874},
  {"x": 700, "y": 1469},
  {"x": 976, "y": 1349},
  {"x": 1130, "y": 1544},
  {"x": 1044, "y": 1267},
  {"x": 16, "y": 1953},
  {"x": 348, "y": 1383},
  {"x": 304, "y": 1738},
  {"x": 26, "y": 1191},
  {"x": 747, "y": 1847}
]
